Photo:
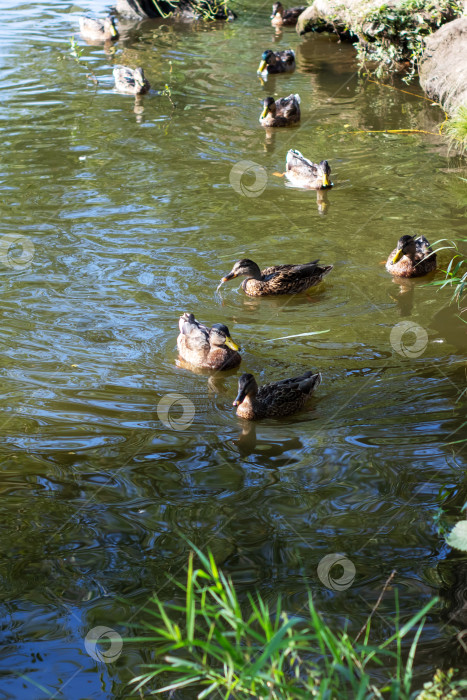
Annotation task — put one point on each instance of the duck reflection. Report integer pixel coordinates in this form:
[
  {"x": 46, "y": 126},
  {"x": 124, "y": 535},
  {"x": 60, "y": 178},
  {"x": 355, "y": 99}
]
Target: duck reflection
[
  {"x": 269, "y": 449},
  {"x": 404, "y": 296}
]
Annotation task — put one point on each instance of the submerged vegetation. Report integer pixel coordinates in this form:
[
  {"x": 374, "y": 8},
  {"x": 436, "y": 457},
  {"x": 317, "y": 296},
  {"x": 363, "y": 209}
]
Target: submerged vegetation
[{"x": 211, "y": 642}]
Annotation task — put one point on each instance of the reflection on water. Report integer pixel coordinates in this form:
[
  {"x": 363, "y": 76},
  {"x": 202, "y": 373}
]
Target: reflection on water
[{"x": 133, "y": 220}]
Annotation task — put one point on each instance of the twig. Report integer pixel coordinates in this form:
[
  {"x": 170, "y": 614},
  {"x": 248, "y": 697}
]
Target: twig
[{"x": 376, "y": 605}]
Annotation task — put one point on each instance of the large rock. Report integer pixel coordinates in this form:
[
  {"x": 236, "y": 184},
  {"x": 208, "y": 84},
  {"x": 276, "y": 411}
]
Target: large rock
[
  {"x": 180, "y": 9},
  {"x": 372, "y": 20},
  {"x": 443, "y": 69}
]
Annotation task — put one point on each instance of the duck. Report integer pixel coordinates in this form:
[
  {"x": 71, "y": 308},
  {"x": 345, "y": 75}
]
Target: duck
[
  {"x": 100, "y": 30},
  {"x": 282, "y": 112},
  {"x": 304, "y": 173},
  {"x": 277, "y": 61},
  {"x": 206, "y": 347},
  {"x": 413, "y": 257},
  {"x": 129, "y": 81},
  {"x": 274, "y": 400},
  {"x": 281, "y": 17},
  {"x": 279, "y": 279}
]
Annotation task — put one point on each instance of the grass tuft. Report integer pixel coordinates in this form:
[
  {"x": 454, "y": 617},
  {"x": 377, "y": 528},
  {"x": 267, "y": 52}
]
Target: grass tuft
[{"x": 217, "y": 646}]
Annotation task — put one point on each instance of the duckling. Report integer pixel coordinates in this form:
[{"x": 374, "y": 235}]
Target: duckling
[
  {"x": 280, "y": 279},
  {"x": 413, "y": 257},
  {"x": 277, "y": 61},
  {"x": 304, "y": 173},
  {"x": 208, "y": 348},
  {"x": 129, "y": 81},
  {"x": 285, "y": 18},
  {"x": 274, "y": 400},
  {"x": 282, "y": 112},
  {"x": 100, "y": 30}
]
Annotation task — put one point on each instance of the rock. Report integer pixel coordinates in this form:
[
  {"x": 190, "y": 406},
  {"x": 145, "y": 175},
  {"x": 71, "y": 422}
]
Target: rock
[
  {"x": 443, "y": 69},
  {"x": 181, "y": 9}
]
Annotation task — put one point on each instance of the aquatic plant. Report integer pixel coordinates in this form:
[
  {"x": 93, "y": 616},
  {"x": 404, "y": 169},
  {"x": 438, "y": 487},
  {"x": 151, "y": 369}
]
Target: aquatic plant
[{"x": 214, "y": 644}]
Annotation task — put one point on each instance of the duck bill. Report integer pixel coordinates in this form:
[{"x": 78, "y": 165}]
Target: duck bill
[
  {"x": 240, "y": 397},
  {"x": 264, "y": 113},
  {"x": 113, "y": 31},
  {"x": 326, "y": 181},
  {"x": 230, "y": 344},
  {"x": 228, "y": 277},
  {"x": 262, "y": 66},
  {"x": 397, "y": 257}
]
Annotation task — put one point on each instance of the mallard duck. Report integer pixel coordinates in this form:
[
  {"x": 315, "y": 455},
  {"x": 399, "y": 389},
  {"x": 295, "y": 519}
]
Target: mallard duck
[
  {"x": 281, "y": 112},
  {"x": 285, "y": 18},
  {"x": 129, "y": 81},
  {"x": 100, "y": 30},
  {"x": 277, "y": 61},
  {"x": 274, "y": 400},
  {"x": 280, "y": 279},
  {"x": 208, "y": 348},
  {"x": 413, "y": 257},
  {"x": 302, "y": 172}
]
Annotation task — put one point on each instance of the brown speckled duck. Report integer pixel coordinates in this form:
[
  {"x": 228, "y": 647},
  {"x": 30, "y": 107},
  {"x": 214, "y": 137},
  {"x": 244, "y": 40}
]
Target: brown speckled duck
[
  {"x": 281, "y": 17},
  {"x": 413, "y": 257},
  {"x": 282, "y": 112},
  {"x": 129, "y": 81},
  {"x": 279, "y": 279},
  {"x": 98, "y": 30},
  {"x": 204, "y": 347},
  {"x": 274, "y": 400},
  {"x": 302, "y": 172}
]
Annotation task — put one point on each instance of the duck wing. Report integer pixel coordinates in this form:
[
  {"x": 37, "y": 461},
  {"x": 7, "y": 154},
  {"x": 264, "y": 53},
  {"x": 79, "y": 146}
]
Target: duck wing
[
  {"x": 196, "y": 334},
  {"x": 287, "y": 56},
  {"x": 288, "y": 106},
  {"x": 124, "y": 73},
  {"x": 297, "y": 161},
  {"x": 422, "y": 247},
  {"x": 287, "y": 272},
  {"x": 295, "y": 389}
]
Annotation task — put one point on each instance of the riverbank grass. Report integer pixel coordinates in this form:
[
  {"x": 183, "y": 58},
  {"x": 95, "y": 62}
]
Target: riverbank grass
[
  {"x": 456, "y": 128},
  {"x": 218, "y": 647}
]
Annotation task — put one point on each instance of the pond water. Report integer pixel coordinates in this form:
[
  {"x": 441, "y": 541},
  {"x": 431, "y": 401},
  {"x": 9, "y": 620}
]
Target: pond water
[{"x": 127, "y": 218}]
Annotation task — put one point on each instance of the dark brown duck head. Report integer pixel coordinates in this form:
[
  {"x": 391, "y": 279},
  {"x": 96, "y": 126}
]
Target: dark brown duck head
[
  {"x": 219, "y": 335},
  {"x": 277, "y": 9},
  {"x": 247, "y": 386},
  {"x": 244, "y": 267},
  {"x": 405, "y": 246}
]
